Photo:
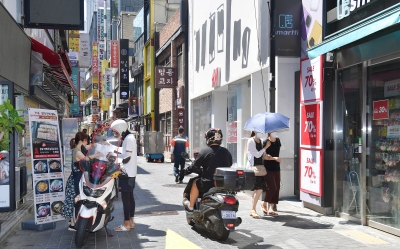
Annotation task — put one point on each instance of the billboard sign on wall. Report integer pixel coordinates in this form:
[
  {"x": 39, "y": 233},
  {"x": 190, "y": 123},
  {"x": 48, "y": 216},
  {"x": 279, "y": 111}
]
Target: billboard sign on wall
[
  {"x": 124, "y": 69},
  {"x": 311, "y": 125},
  {"x": 311, "y": 79},
  {"x": 84, "y": 50},
  {"x": 311, "y": 25},
  {"x": 287, "y": 27},
  {"x": 311, "y": 162}
]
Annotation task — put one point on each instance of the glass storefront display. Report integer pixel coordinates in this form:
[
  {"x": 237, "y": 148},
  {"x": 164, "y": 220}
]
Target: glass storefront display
[{"x": 383, "y": 169}]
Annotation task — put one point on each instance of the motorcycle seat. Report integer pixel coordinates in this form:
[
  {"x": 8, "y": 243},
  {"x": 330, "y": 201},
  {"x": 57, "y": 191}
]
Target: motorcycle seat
[{"x": 211, "y": 191}]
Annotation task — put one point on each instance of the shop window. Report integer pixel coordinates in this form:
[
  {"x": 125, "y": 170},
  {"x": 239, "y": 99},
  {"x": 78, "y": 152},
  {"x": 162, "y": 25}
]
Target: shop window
[{"x": 179, "y": 64}]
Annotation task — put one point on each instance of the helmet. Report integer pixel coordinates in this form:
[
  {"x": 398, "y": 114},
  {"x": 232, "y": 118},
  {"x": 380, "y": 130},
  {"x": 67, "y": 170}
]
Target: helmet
[
  {"x": 213, "y": 136},
  {"x": 119, "y": 125}
]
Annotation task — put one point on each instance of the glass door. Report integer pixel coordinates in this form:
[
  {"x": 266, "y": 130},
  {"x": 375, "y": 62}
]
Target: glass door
[
  {"x": 349, "y": 141},
  {"x": 383, "y": 171}
]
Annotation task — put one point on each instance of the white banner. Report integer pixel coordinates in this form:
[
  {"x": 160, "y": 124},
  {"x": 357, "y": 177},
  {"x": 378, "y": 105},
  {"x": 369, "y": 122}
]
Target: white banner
[
  {"x": 47, "y": 165},
  {"x": 311, "y": 80},
  {"x": 311, "y": 171},
  {"x": 392, "y": 88},
  {"x": 107, "y": 83},
  {"x": 84, "y": 50}
]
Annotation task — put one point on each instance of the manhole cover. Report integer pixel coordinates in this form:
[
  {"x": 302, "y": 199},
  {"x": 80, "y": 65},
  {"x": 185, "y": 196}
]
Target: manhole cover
[
  {"x": 176, "y": 185},
  {"x": 157, "y": 213}
]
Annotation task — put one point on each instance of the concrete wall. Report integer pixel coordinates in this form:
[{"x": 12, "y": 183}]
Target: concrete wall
[
  {"x": 284, "y": 102},
  {"x": 15, "y": 51}
]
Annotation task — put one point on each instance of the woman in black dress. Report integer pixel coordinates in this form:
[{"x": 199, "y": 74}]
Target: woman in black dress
[
  {"x": 273, "y": 176},
  {"x": 255, "y": 152}
]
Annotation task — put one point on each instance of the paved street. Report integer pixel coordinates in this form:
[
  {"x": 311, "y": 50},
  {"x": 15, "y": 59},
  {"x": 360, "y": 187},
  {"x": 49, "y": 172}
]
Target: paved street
[{"x": 160, "y": 223}]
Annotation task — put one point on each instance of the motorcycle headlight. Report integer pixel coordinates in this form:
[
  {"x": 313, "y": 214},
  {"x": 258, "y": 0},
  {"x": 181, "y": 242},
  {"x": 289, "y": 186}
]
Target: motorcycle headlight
[{"x": 95, "y": 193}]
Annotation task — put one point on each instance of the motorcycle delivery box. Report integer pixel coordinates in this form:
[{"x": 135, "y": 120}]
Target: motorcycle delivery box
[{"x": 234, "y": 179}]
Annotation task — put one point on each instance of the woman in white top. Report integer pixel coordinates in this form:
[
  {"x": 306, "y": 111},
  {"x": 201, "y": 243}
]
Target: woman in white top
[{"x": 255, "y": 152}]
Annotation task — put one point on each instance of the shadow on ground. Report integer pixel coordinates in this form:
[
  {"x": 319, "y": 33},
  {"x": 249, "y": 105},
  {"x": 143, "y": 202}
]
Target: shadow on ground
[{"x": 300, "y": 222}]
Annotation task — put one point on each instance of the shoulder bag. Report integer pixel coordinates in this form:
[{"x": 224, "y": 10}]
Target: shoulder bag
[{"x": 259, "y": 170}]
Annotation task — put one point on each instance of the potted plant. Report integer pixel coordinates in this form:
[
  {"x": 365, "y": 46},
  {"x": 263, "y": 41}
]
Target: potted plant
[{"x": 9, "y": 120}]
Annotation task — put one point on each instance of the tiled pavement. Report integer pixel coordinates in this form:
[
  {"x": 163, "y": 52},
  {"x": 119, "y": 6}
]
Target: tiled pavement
[{"x": 158, "y": 208}]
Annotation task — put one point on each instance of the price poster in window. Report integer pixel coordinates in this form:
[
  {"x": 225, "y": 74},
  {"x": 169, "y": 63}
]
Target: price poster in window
[
  {"x": 311, "y": 171},
  {"x": 47, "y": 166}
]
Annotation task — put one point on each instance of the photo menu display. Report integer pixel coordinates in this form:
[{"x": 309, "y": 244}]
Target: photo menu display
[{"x": 47, "y": 166}]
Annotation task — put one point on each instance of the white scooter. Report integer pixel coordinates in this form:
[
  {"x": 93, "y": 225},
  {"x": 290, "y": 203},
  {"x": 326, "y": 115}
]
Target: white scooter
[{"x": 94, "y": 204}]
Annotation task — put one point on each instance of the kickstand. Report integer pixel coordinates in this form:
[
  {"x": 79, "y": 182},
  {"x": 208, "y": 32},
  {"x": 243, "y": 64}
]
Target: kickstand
[{"x": 109, "y": 234}]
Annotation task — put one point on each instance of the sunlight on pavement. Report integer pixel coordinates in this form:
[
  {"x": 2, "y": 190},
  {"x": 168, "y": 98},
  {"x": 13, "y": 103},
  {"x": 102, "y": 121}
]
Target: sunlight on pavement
[
  {"x": 175, "y": 241},
  {"x": 364, "y": 237}
]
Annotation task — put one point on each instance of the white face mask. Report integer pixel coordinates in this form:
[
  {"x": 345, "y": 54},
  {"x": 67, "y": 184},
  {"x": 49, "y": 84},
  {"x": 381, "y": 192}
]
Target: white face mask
[{"x": 259, "y": 135}]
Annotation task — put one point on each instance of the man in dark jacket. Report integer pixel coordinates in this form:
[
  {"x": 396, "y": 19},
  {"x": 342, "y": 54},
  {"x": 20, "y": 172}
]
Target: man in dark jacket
[
  {"x": 212, "y": 157},
  {"x": 179, "y": 144}
]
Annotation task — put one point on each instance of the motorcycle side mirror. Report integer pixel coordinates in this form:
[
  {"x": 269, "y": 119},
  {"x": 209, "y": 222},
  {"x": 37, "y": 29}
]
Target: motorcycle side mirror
[
  {"x": 185, "y": 155},
  {"x": 126, "y": 160}
]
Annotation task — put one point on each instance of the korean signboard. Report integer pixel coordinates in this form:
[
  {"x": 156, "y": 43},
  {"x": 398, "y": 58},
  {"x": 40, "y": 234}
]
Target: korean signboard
[
  {"x": 84, "y": 50},
  {"x": 311, "y": 125},
  {"x": 100, "y": 24},
  {"x": 73, "y": 40},
  {"x": 311, "y": 171},
  {"x": 95, "y": 59},
  {"x": 165, "y": 77},
  {"x": 114, "y": 54},
  {"x": 107, "y": 83},
  {"x": 181, "y": 117},
  {"x": 231, "y": 132},
  {"x": 287, "y": 27},
  {"x": 180, "y": 96},
  {"x": 311, "y": 80},
  {"x": 47, "y": 165},
  {"x": 124, "y": 69},
  {"x": 95, "y": 107},
  {"x": 133, "y": 106},
  {"x": 380, "y": 109}
]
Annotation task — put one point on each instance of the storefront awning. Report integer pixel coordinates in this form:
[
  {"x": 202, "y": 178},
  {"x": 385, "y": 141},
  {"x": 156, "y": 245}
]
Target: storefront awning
[
  {"x": 357, "y": 31},
  {"x": 56, "y": 67}
]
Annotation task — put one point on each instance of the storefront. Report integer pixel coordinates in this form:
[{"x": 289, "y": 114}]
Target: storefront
[{"x": 362, "y": 52}]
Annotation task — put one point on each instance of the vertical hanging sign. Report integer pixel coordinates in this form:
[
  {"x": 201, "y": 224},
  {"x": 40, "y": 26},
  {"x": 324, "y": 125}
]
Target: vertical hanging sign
[
  {"x": 84, "y": 50},
  {"x": 114, "y": 53},
  {"x": 47, "y": 165},
  {"x": 95, "y": 59},
  {"x": 107, "y": 83},
  {"x": 124, "y": 69}
]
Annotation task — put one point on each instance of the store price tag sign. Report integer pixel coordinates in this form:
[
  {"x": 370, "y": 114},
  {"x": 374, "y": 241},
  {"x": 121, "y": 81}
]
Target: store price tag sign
[
  {"x": 311, "y": 171},
  {"x": 311, "y": 125},
  {"x": 311, "y": 79},
  {"x": 380, "y": 109}
]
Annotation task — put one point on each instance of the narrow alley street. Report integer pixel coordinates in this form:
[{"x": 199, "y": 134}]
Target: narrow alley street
[{"x": 160, "y": 223}]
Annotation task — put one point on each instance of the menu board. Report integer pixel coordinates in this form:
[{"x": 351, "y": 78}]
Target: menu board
[{"x": 47, "y": 166}]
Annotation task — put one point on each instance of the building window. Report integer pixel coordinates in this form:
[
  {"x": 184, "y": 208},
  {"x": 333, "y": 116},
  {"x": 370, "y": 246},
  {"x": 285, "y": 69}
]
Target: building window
[
  {"x": 166, "y": 62},
  {"x": 179, "y": 65}
]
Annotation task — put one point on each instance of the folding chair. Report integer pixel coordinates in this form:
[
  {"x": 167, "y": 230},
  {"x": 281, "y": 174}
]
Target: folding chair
[{"x": 355, "y": 186}]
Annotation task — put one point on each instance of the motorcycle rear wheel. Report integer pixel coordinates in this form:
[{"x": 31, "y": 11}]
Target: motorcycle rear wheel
[
  {"x": 81, "y": 234},
  {"x": 190, "y": 222},
  {"x": 223, "y": 233}
]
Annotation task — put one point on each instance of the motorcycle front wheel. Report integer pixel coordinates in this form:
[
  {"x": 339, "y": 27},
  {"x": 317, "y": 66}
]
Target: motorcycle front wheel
[
  {"x": 81, "y": 234},
  {"x": 222, "y": 232}
]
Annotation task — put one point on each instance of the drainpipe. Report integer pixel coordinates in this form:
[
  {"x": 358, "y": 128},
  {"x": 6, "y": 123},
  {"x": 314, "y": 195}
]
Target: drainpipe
[{"x": 184, "y": 6}]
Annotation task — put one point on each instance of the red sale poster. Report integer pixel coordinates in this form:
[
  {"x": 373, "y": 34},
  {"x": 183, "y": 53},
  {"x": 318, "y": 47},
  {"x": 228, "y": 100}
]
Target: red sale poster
[
  {"x": 311, "y": 125},
  {"x": 381, "y": 109}
]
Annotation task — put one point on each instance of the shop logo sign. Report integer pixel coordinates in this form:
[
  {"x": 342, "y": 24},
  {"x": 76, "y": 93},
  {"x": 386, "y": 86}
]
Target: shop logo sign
[
  {"x": 285, "y": 21},
  {"x": 345, "y": 7}
]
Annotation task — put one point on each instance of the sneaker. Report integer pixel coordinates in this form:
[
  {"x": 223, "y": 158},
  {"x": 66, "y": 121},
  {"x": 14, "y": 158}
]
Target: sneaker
[
  {"x": 71, "y": 228},
  {"x": 186, "y": 204},
  {"x": 176, "y": 178}
]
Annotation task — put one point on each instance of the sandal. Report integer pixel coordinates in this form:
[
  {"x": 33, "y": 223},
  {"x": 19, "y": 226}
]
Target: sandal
[
  {"x": 133, "y": 227},
  {"x": 254, "y": 215},
  {"x": 263, "y": 209},
  {"x": 273, "y": 213},
  {"x": 121, "y": 228}
]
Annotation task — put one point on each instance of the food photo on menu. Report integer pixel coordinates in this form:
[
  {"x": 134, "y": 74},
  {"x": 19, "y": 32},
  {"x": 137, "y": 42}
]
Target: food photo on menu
[
  {"x": 43, "y": 210},
  {"x": 55, "y": 165},
  {"x": 44, "y": 140},
  {"x": 56, "y": 207},
  {"x": 40, "y": 166},
  {"x": 56, "y": 185},
  {"x": 42, "y": 187}
]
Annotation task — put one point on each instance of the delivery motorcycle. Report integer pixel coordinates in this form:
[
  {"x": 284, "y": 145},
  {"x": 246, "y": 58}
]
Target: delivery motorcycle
[
  {"x": 94, "y": 204},
  {"x": 216, "y": 209}
]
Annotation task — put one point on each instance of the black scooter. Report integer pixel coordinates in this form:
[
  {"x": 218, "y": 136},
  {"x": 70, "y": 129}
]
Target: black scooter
[{"x": 216, "y": 209}]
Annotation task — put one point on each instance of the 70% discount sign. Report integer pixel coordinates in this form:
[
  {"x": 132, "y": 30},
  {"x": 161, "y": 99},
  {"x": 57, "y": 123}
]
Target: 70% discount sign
[{"x": 311, "y": 171}]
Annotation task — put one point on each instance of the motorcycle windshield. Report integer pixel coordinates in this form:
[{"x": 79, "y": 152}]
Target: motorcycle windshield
[{"x": 101, "y": 162}]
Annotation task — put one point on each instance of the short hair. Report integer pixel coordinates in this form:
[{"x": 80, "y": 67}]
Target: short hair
[{"x": 181, "y": 130}]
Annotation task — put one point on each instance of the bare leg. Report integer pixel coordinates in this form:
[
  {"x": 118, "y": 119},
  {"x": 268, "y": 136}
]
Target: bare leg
[
  {"x": 131, "y": 222},
  {"x": 271, "y": 208},
  {"x": 194, "y": 193},
  {"x": 256, "y": 197}
]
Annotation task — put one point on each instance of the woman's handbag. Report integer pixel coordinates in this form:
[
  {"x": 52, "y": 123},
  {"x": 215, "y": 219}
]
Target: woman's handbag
[{"x": 259, "y": 170}]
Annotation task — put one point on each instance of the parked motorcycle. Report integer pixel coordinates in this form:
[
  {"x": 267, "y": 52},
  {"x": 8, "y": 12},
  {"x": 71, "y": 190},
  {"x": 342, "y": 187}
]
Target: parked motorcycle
[
  {"x": 94, "y": 204},
  {"x": 216, "y": 209}
]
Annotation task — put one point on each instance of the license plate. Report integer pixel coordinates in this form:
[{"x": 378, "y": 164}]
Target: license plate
[{"x": 228, "y": 214}]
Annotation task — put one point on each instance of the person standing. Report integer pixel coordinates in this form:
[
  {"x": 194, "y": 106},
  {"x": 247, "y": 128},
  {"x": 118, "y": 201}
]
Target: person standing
[
  {"x": 179, "y": 144},
  {"x": 255, "y": 151},
  {"x": 127, "y": 185},
  {"x": 273, "y": 176}
]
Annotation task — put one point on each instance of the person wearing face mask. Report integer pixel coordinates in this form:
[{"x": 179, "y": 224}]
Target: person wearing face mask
[
  {"x": 255, "y": 151},
  {"x": 273, "y": 176}
]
